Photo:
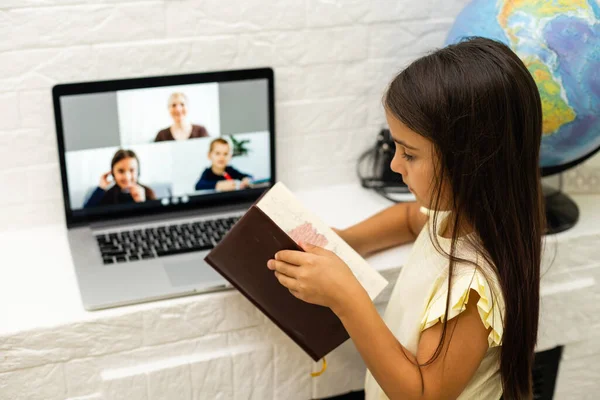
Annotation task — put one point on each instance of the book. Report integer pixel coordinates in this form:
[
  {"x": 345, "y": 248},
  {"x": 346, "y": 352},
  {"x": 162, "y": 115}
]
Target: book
[{"x": 278, "y": 221}]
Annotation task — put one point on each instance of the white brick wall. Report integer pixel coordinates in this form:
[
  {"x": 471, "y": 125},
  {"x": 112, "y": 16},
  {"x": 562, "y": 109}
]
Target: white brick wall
[{"x": 332, "y": 59}]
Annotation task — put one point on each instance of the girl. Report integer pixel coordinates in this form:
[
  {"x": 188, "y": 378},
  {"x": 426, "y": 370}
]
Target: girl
[
  {"x": 125, "y": 169},
  {"x": 462, "y": 318}
]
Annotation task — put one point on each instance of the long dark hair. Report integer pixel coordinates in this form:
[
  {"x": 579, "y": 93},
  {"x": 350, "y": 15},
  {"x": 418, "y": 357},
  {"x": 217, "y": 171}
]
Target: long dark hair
[
  {"x": 122, "y": 154},
  {"x": 479, "y": 105}
]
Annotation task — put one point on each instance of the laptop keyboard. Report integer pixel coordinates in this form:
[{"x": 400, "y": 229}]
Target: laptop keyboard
[{"x": 141, "y": 244}]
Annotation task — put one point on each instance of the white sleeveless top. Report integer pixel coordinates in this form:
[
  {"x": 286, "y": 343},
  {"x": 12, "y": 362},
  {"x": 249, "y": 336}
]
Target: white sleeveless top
[{"x": 418, "y": 302}]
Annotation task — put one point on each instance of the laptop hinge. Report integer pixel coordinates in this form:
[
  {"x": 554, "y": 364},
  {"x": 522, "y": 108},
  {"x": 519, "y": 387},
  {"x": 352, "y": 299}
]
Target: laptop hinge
[{"x": 170, "y": 216}]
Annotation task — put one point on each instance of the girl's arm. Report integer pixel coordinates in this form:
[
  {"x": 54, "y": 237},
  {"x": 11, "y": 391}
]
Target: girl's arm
[
  {"x": 235, "y": 174},
  {"x": 204, "y": 183},
  {"x": 95, "y": 198},
  {"x": 396, "y": 225},
  {"x": 392, "y": 365}
]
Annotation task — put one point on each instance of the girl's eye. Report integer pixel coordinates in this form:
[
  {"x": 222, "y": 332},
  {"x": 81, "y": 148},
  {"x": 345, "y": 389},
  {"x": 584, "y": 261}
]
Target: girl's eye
[{"x": 407, "y": 157}]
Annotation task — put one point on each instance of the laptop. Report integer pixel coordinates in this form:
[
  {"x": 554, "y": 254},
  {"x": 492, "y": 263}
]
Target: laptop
[{"x": 154, "y": 173}]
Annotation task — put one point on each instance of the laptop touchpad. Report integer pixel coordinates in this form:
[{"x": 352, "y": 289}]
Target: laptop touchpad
[{"x": 192, "y": 271}]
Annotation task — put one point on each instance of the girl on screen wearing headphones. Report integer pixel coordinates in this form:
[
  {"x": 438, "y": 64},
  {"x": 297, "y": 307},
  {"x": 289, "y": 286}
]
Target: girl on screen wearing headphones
[
  {"x": 462, "y": 318},
  {"x": 125, "y": 170}
]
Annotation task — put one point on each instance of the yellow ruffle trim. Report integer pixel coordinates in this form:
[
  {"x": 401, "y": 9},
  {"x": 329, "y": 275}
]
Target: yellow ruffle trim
[{"x": 491, "y": 315}]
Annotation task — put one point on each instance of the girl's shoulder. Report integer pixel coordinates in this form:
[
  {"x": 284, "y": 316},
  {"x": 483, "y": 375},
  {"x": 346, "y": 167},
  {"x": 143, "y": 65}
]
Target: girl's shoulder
[
  {"x": 149, "y": 192},
  {"x": 474, "y": 274}
]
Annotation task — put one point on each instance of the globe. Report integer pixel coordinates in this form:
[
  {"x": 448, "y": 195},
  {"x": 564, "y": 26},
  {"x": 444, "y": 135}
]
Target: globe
[{"x": 559, "y": 42}]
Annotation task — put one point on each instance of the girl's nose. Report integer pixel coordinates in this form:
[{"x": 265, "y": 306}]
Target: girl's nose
[{"x": 397, "y": 166}]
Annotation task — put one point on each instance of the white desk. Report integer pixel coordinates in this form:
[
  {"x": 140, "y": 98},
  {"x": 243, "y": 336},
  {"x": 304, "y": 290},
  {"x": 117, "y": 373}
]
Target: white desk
[{"x": 203, "y": 345}]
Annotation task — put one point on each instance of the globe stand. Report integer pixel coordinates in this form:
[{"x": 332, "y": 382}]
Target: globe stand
[{"x": 561, "y": 212}]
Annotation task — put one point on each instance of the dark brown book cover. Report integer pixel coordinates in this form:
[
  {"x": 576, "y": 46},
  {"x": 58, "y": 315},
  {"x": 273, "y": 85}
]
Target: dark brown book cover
[{"x": 241, "y": 257}]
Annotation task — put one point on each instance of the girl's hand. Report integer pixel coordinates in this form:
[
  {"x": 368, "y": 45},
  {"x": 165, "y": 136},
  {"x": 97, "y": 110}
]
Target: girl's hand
[
  {"x": 317, "y": 276},
  {"x": 246, "y": 182},
  {"x": 225, "y": 186},
  {"x": 104, "y": 182},
  {"x": 138, "y": 193}
]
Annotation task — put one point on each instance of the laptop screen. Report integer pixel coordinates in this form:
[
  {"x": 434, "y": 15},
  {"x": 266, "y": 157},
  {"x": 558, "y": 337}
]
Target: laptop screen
[{"x": 165, "y": 146}]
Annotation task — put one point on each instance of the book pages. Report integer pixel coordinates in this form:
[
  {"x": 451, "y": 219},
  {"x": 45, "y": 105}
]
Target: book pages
[{"x": 280, "y": 204}]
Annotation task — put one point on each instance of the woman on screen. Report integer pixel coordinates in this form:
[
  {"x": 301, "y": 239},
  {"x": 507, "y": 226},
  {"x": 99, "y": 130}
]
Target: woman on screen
[
  {"x": 125, "y": 171},
  {"x": 181, "y": 129}
]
